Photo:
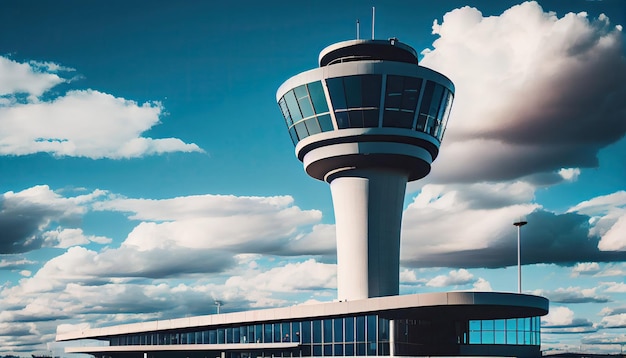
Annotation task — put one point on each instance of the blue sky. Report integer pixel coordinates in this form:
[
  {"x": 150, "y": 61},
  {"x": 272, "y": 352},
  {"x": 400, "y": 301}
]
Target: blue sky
[{"x": 145, "y": 169}]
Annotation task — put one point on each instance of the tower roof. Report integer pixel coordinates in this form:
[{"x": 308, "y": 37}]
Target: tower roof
[{"x": 359, "y": 50}]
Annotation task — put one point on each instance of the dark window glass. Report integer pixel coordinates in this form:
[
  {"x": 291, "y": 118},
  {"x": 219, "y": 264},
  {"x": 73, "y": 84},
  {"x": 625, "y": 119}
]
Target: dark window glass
[
  {"x": 325, "y": 123},
  {"x": 220, "y": 336},
  {"x": 354, "y": 98},
  {"x": 317, "y": 331},
  {"x": 229, "y": 335},
  {"x": 371, "y": 348},
  {"x": 317, "y": 350},
  {"x": 360, "y": 329},
  {"x": 285, "y": 111},
  {"x": 338, "y": 349},
  {"x": 398, "y": 119},
  {"x": 285, "y": 332},
  {"x": 236, "y": 335},
  {"x": 349, "y": 324},
  {"x": 258, "y": 332},
  {"x": 371, "y": 328},
  {"x": 268, "y": 337},
  {"x": 356, "y": 118},
  {"x": 306, "y": 332},
  {"x": 370, "y": 118},
  {"x": 328, "y": 330},
  {"x": 349, "y": 349},
  {"x": 436, "y": 101},
  {"x": 213, "y": 336},
  {"x": 360, "y": 349},
  {"x": 301, "y": 130},
  {"x": 277, "y": 335},
  {"x": 328, "y": 350},
  {"x": 338, "y": 330},
  {"x": 306, "y": 351},
  {"x": 294, "y": 136},
  {"x": 312, "y": 126},
  {"x": 446, "y": 114},
  {"x": 427, "y": 98},
  {"x": 342, "y": 120},
  {"x": 371, "y": 90},
  {"x": 383, "y": 329},
  {"x": 318, "y": 97},
  {"x": 295, "y": 331},
  {"x": 292, "y": 105},
  {"x": 337, "y": 93},
  {"x": 393, "y": 97},
  {"x": 383, "y": 349}
]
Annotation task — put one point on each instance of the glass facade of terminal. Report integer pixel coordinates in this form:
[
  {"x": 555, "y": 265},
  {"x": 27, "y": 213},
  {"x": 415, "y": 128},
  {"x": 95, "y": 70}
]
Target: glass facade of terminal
[
  {"x": 367, "y": 335},
  {"x": 355, "y": 101}
]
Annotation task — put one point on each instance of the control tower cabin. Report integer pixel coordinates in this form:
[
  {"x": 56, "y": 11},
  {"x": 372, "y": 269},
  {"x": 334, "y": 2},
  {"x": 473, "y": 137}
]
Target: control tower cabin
[{"x": 367, "y": 121}]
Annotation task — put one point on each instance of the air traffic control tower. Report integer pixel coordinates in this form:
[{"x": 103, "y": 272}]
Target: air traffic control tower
[{"x": 367, "y": 121}]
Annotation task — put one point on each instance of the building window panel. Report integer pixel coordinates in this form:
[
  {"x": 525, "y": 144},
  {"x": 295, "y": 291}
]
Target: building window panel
[
  {"x": 349, "y": 324},
  {"x": 317, "y": 331},
  {"x": 338, "y": 330},
  {"x": 317, "y": 350},
  {"x": 258, "y": 333},
  {"x": 268, "y": 337},
  {"x": 360, "y": 329},
  {"x": 511, "y": 337},
  {"x": 328, "y": 350},
  {"x": 318, "y": 97},
  {"x": 349, "y": 349},
  {"x": 342, "y": 120},
  {"x": 370, "y": 86},
  {"x": 328, "y": 330},
  {"x": 285, "y": 111},
  {"x": 312, "y": 126},
  {"x": 372, "y": 324},
  {"x": 337, "y": 93},
  {"x": 295, "y": 331},
  {"x": 325, "y": 122},
  {"x": 292, "y": 106},
  {"x": 354, "y": 97},
  {"x": 301, "y": 130},
  {"x": 370, "y": 118},
  {"x": 306, "y": 332},
  {"x": 360, "y": 349},
  {"x": 338, "y": 350},
  {"x": 277, "y": 334},
  {"x": 356, "y": 118}
]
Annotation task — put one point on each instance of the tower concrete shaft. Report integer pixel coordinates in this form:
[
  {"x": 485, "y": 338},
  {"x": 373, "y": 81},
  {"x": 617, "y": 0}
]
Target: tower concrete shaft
[{"x": 367, "y": 121}]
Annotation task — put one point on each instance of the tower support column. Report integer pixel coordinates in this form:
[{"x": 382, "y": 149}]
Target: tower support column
[{"x": 368, "y": 215}]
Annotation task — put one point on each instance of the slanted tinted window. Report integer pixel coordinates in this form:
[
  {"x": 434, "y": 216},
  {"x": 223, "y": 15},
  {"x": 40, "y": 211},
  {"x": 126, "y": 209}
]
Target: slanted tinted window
[
  {"x": 318, "y": 97},
  {"x": 305, "y": 111},
  {"x": 401, "y": 96},
  {"x": 356, "y": 100}
]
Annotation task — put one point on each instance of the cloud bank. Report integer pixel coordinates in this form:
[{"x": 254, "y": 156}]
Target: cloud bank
[
  {"x": 78, "y": 123},
  {"x": 534, "y": 93}
]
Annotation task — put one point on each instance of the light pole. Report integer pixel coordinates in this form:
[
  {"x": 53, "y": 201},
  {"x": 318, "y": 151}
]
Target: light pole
[
  {"x": 519, "y": 225},
  {"x": 218, "y": 304}
]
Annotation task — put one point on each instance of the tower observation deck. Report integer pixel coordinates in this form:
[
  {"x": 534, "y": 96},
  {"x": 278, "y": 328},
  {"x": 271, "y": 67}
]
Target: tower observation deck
[{"x": 368, "y": 120}]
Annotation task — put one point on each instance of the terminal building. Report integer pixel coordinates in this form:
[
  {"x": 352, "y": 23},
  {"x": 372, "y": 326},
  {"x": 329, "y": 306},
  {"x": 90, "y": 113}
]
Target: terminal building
[{"x": 368, "y": 120}]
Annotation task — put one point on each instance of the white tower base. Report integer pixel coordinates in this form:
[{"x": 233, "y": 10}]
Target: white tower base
[{"x": 368, "y": 214}]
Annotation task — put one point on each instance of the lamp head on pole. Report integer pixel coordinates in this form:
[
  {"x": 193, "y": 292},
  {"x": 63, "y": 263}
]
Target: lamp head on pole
[{"x": 520, "y": 223}]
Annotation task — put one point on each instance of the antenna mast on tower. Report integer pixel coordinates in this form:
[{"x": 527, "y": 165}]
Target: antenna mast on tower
[{"x": 373, "y": 20}]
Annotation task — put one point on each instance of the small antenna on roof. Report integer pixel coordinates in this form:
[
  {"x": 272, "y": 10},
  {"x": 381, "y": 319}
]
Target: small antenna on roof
[
  {"x": 358, "y": 29},
  {"x": 373, "y": 20}
]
